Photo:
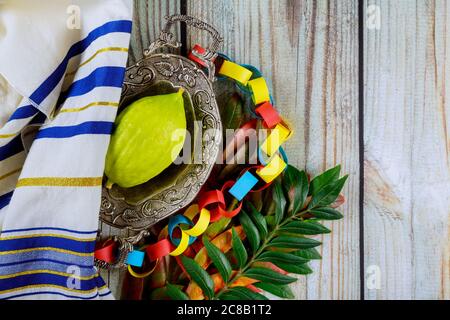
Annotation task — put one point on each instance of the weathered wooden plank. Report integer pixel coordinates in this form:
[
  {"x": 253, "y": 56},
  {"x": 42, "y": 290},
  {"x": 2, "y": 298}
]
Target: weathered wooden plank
[
  {"x": 308, "y": 51},
  {"x": 148, "y": 21},
  {"x": 407, "y": 176}
]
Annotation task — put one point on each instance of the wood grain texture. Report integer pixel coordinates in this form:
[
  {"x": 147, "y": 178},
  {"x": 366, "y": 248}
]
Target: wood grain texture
[
  {"x": 148, "y": 21},
  {"x": 407, "y": 165},
  {"x": 308, "y": 52}
]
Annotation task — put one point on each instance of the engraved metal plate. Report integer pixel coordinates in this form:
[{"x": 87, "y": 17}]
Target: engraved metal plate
[{"x": 140, "y": 207}]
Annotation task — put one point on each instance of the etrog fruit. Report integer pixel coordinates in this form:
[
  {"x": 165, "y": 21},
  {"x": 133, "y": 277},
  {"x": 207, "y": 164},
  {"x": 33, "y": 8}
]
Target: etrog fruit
[{"x": 148, "y": 136}]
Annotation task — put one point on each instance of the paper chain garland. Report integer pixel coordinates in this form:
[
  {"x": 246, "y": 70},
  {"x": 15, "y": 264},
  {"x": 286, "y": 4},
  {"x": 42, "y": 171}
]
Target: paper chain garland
[{"x": 211, "y": 204}]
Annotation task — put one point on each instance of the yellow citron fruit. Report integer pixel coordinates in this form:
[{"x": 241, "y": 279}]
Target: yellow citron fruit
[{"x": 148, "y": 136}]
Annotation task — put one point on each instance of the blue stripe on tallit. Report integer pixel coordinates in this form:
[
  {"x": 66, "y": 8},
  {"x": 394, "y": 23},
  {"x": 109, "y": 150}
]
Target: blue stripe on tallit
[
  {"x": 52, "y": 81},
  {"x": 39, "y": 262},
  {"x": 46, "y": 279},
  {"x": 48, "y": 241},
  {"x": 100, "y": 77},
  {"x": 91, "y": 127},
  {"x": 5, "y": 199},
  {"x": 50, "y": 228},
  {"x": 24, "y": 112},
  {"x": 11, "y": 148},
  {"x": 60, "y": 294}
]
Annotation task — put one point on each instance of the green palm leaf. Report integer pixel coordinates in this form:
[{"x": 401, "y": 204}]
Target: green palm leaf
[
  {"x": 279, "y": 200},
  {"x": 239, "y": 250},
  {"x": 305, "y": 228},
  {"x": 219, "y": 259},
  {"x": 268, "y": 275},
  {"x": 296, "y": 187},
  {"x": 175, "y": 293},
  {"x": 281, "y": 257},
  {"x": 277, "y": 290},
  {"x": 241, "y": 293},
  {"x": 326, "y": 214},
  {"x": 250, "y": 230},
  {"x": 310, "y": 254},
  {"x": 328, "y": 194},
  {"x": 294, "y": 242},
  {"x": 199, "y": 276},
  {"x": 324, "y": 179},
  {"x": 295, "y": 268},
  {"x": 258, "y": 219}
]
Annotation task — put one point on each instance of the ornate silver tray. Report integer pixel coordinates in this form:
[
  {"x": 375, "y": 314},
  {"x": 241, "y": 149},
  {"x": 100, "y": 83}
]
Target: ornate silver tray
[{"x": 140, "y": 207}]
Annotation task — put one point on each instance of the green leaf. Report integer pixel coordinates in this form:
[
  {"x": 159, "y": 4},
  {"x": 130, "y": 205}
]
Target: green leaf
[
  {"x": 159, "y": 294},
  {"x": 238, "y": 249},
  {"x": 279, "y": 291},
  {"x": 326, "y": 214},
  {"x": 268, "y": 275},
  {"x": 230, "y": 296},
  {"x": 241, "y": 293},
  {"x": 294, "y": 242},
  {"x": 250, "y": 230},
  {"x": 217, "y": 227},
  {"x": 175, "y": 293},
  {"x": 270, "y": 220},
  {"x": 279, "y": 200},
  {"x": 310, "y": 254},
  {"x": 232, "y": 113},
  {"x": 328, "y": 194},
  {"x": 296, "y": 268},
  {"x": 305, "y": 227},
  {"x": 296, "y": 187},
  {"x": 324, "y": 179},
  {"x": 258, "y": 219},
  {"x": 219, "y": 259},
  {"x": 199, "y": 276},
  {"x": 283, "y": 257}
]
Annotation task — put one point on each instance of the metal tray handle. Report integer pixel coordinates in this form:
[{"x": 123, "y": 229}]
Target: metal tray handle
[{"x": 166, "y": 39}]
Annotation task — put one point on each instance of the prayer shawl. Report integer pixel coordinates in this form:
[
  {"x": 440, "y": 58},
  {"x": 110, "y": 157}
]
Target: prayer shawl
[{"x": 62, "y": 65}]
